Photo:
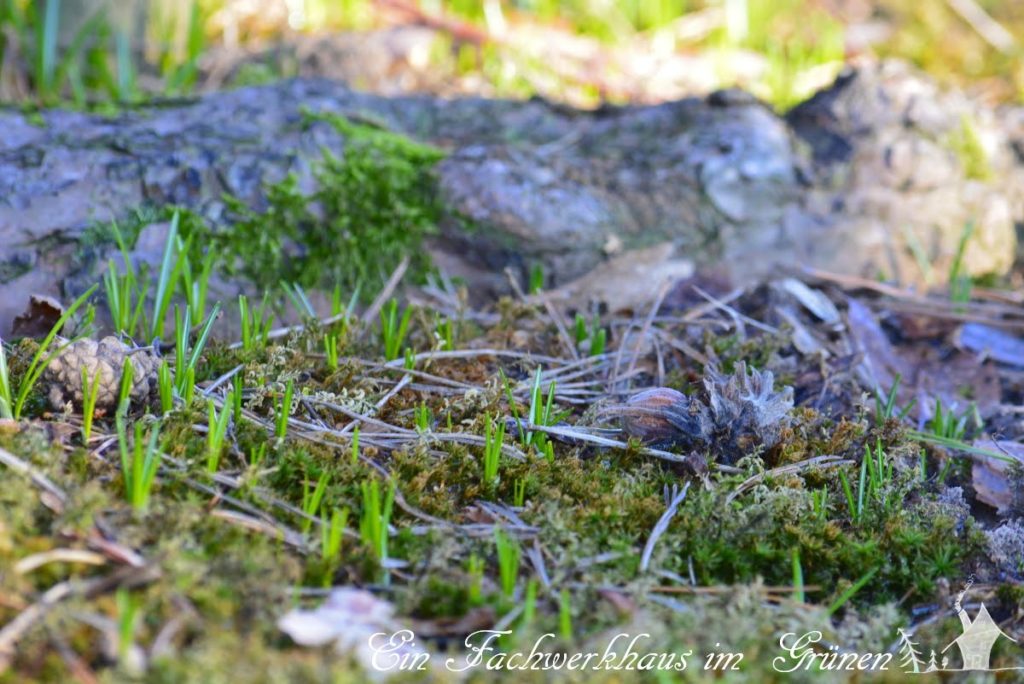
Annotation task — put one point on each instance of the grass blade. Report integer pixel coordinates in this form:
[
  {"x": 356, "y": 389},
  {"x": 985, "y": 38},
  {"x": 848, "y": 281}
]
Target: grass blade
[
  {"x": 41, "y": 359},
  {"x": 166, "y": 281},
  {"x": 853, "y": 589}
]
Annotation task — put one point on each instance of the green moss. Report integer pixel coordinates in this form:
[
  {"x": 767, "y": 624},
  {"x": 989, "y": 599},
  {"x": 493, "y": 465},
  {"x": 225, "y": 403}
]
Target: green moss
[
  {"x": 255, "y": 74},
  {"x": 372, "y": 206},
  {"x": 966, "y": 145},
  {"x": 591, "y": 512}
]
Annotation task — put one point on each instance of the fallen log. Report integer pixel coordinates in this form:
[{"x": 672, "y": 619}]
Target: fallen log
[{"x": 877, "y": 175}]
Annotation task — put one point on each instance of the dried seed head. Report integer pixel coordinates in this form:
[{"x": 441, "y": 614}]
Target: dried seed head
[
  {"x": 655, "y": 416},
  {"x": 730, "y": 415},
  {"x": 743, "y": 411}
]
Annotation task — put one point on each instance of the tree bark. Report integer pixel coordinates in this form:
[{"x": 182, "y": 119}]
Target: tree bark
[{"x": 868, "y": 177}]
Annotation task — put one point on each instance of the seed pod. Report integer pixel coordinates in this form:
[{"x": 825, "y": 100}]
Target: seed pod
[
  {"x": 656, "y": 416},
  {"x": 728, "y": 415}
]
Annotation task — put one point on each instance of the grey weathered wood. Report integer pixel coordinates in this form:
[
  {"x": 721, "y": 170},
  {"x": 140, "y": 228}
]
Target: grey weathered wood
[{"x": 840, "y": 183}]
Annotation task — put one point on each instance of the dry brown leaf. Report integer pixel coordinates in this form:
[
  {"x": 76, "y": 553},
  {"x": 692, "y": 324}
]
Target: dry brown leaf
[
  {"x": 39, "y": 317},
  {"x": 990, "y": 476},
  {"x": 926, "y": 371}
]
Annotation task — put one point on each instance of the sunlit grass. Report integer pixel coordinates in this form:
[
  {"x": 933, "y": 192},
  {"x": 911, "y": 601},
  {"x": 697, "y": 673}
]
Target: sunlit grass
[{"x": 795, "y": 39}]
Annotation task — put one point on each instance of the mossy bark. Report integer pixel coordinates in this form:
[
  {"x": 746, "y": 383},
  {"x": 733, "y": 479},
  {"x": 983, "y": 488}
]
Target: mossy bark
[{"x": 860, "y": 179}]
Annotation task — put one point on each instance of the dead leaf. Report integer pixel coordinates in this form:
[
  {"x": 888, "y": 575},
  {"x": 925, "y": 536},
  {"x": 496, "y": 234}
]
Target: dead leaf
[
  {"x": 992, "y": 342},
  {"x": 927, "y": 372},
  {"x": 625, "y": 282},
  {"x": 803, "y": 339},
  {"x": 684, "y": 294},
  {"x": 38, "y": 319},
  {"x": 624, "y": 604},
  {"x": 356, "y": 622},
  {"x": 880, "y": 364},
  {"x": 991, "y": 476},
  {"x": 813, "y": 300},
  {"x": 478, "y": 515}
]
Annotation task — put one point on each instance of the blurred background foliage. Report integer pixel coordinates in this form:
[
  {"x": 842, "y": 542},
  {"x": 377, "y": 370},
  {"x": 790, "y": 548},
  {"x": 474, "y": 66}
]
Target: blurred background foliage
[{"x": 101, "y": 53}]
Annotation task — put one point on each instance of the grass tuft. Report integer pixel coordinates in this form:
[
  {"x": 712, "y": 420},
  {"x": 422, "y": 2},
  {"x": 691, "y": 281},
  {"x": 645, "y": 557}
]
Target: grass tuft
[{"x": 139, "y": 462}]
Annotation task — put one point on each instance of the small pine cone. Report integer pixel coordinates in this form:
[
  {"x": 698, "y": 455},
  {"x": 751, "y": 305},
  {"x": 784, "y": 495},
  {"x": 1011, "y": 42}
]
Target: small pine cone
[{"x": 104, "y": 360}]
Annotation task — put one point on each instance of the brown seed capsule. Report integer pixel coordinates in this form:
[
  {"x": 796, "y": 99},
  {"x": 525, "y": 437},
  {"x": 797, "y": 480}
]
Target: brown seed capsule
[
  {"x": 655, "y": 415},
  {"x": 726, "y": 416}
]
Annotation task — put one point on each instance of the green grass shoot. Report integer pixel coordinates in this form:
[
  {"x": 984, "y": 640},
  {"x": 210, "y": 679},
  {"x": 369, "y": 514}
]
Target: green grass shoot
[
  {"x": 6, "y": 395},
  {"x": 90, "y": 392},
  {"x": 282, "y": 411},
  {"x": 508, "y": 562},
  {"x": 171, "y": 264},
  {"x": 565, "y": 615},
  {"x": 375, "y": 517},
  {"x": 139, "y": 462},
  {"x": 393, "y": 329},
  {"x": 519, "y": 492},
  {"x": 331, "y": 533},
  {"x": 494, "y": 437},
  {"x": 165, "y": 385},
  {"x": 124, "y": 394},
  {"x": 331, "y": 350},
  {"x": 217, "y": 430},
  {"x": 354, "y": 458},
  {"x": 851, "y": 591},
  {"x": 475, "y": 570},
  {"x": 311, "y": 501},
  {"x": 256, "y": 323},
  {"x": 423, "y": 418},
  {"x": 40, "y": 360}
]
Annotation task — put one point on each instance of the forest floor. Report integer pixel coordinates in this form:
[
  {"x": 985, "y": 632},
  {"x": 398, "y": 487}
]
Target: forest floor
[
  {"x": 443, "y": 469},
  {"x": 789, "y": 481}
]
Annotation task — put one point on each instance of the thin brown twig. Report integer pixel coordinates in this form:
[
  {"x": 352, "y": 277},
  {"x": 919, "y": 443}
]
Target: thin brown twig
[
  {"x": 57, "y": 498},
  {"x": 385, "y": 294},
  {"x": 14, "y": 630},
  {"x": 474, "y": 353},
  {"x": 991, "y": 31},
  {"x": 406, "y": 379},
  {"x": 263, "y": 527},
  {"x": 437, "y": 379},
  {"x": 646, "y": 328},
  {"x": 77, "y": 667},
  {"x": 826, "y": 461},
  {"x": 714, "y": 590},
  {"x": 563, "y": 333},
  {"x": 604, "y": 441}
]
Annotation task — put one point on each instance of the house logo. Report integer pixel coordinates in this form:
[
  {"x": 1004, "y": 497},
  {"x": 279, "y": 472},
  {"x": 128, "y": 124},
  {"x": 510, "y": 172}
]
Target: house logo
[
  {"x": 974, "y": 645},
  {"x": 980, "y": 634}
]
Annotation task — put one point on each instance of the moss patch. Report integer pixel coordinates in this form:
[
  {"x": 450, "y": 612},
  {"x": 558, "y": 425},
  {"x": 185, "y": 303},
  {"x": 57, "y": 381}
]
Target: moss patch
[
  {"x": 232, "y": 553},
  {"x": 372, "y": 206}
]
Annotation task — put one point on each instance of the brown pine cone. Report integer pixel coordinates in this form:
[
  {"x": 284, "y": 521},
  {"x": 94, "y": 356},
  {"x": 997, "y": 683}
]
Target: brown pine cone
[{"x": 63, "y": 376}]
